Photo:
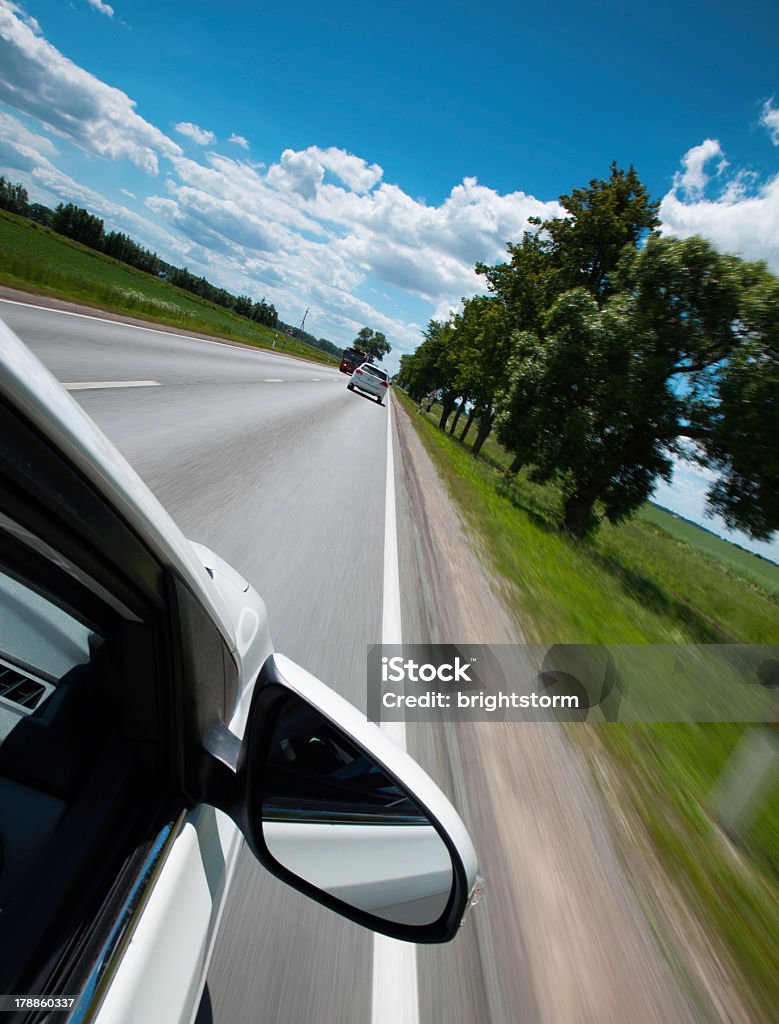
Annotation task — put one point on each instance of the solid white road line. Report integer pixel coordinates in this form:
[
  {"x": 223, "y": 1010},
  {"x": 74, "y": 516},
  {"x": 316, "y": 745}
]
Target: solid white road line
[
  {"x": 395, "y": 994},
  {"x": 153, "y": 330},
  {"x": 120, "y": 323},
  {"x": 86, "y": 385}
]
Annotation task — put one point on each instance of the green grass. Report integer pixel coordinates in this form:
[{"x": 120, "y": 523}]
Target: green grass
[
  {"x": 642, "y": 583},
  {"x": 34, "y": 258},
  {"x": 743, "y": 564}
]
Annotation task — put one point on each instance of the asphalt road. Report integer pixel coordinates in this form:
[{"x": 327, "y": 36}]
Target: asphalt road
[{"x": 271, "y": 462}]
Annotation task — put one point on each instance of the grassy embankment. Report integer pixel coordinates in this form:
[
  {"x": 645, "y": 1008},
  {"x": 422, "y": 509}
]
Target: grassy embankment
[
  {"x": 645, "y": 581},
  {"x": 36, "y": 259}
]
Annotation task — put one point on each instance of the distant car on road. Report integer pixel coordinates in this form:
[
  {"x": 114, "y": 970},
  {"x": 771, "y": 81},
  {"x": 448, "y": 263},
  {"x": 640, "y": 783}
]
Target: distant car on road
[
  {"x": 351, "y": 359},
  {"x": 372, "y": 380}
]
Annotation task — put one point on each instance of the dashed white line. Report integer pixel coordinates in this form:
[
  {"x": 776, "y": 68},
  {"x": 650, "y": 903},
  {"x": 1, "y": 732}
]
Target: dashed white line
[
  {"x": 395, "y": 992},
  {"x": 272, "y": 380},
  {"x": 88, "y": 385}
]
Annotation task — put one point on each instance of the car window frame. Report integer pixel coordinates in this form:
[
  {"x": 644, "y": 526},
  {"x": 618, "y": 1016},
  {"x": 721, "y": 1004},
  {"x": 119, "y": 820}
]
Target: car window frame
[{"x": 49, "y": 550}]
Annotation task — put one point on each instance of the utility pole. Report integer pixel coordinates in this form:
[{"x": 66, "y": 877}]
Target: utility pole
[{"x": 304, "y": 318}]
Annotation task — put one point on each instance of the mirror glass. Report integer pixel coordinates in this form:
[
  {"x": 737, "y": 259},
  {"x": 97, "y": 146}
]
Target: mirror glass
[{"x": 333, "y": 817}]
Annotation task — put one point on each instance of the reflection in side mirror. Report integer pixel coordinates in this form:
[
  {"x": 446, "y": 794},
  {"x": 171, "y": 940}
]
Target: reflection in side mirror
[{"x": 335, "y": 819}]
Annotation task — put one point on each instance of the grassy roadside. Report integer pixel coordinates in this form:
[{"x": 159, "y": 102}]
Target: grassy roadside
[
  {"x": 34, "y": 258},
  {"x": 637, "y": 583}
]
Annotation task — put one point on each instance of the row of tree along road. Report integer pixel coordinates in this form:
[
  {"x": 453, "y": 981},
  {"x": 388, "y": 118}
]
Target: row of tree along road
[{"x": 606, "y": 350}]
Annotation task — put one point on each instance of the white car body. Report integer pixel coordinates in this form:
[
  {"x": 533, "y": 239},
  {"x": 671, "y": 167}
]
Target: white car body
[
  {"x": 155, "y": 951},
  {"x": 372, "y": 380}
]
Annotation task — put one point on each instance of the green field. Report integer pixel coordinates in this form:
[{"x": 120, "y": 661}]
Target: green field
[
  {"x": 34, "y": 258},
  {"x": 641, "y": 582},
  {"x": 743, "y": 564}
]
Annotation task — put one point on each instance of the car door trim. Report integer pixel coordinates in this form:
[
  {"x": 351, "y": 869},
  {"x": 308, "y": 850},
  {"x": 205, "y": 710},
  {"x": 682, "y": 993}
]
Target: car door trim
[{"x": 110, "y": 956}]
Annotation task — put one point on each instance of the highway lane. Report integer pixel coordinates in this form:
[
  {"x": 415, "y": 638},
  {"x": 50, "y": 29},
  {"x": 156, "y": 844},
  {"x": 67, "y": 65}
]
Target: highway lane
[{"x": 284, "y": 475}]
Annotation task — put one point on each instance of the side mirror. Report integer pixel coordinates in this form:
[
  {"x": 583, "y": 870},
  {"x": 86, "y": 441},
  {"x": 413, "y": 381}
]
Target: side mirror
[{"x": 332, "y": 807}]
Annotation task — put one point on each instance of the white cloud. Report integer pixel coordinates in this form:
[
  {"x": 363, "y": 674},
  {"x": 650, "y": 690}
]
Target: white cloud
[
  {"x": 38, "y": 80},
  {"x": 103, "y": 8},
  {"x": 128, "y": 193},
  {"x": 694, "y": 178},
  {"x": 770, "y": 119},
  {"x": 744, "y": 218},
  {"x": 319, "y": 226},
  {"x": 353, "y": 171},
  {"x": 300, "y": 172},
  {"x": 300, "y": 236},
  {"x": 201, "y": 136},
  {"x": 14, "y": 132}
]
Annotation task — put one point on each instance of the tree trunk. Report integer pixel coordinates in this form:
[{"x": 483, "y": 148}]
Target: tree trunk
[
  {"x": 446, "y": 411},
  {"x": 516, "y": 465},
  {"x": 578, "y": 519},
  {"x": 467, "y": 427},
  {"x": 457, "y": 415},
  {"x": 485, "y": 426},
  {"x": 430, "y": 401}
]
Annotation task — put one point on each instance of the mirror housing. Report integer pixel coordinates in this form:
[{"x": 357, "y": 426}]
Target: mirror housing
[{"x": 283, "y": 685}]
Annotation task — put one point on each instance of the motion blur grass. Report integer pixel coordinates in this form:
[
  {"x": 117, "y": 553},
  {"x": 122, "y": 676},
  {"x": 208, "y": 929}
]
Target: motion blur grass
[
  {"x": 37, "y": 259},
  {"x": 642, "y": 583}
]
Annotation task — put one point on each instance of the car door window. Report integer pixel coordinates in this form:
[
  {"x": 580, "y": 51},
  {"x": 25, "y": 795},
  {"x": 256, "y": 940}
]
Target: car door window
[{"x": 76, "y": 792}]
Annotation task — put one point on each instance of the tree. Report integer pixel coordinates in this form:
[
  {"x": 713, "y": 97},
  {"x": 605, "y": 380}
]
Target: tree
[
  {"x": 41, "y": 214},
  {"x": 606, "y": 396},
  {"x": 592, "y": 408},
  {"x": 582, "y": 250},
  {"x": 243, "y": 305},
  {"x": 78, "y": 224},
  {"x": 14, "y": 198},
  {"x": 374, "y": 343},
  {"x": 604, "y": 220}
]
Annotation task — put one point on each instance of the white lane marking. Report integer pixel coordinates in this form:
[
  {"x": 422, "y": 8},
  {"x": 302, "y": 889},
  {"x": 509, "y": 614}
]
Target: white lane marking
[
  {"x": 316, "y": 378},
  {"x": 272, "y": 380},
  {"x": 86, "y": 385},
  {"x": 153, "y": 330},
  {"x": 121, "y": 323},
  {"x": 395, "y": 992}
]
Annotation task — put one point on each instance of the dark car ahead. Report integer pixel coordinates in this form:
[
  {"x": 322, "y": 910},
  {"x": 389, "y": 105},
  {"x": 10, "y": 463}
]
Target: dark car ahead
[{"x": 351, "y": 359}]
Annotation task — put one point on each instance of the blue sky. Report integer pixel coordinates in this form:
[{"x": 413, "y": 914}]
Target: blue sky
[{"x": 358, "y": 161}]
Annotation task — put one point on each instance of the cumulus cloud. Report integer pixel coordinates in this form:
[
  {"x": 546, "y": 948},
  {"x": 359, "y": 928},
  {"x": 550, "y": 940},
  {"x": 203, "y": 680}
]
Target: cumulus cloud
[
  {"x": 320, "y": 226},
  {"x": 103, "y": 8},
  {"x": 335, "y": 234},
  {"x": 38, "y": 80},
  {"x": 13, "y": 131},
  {"x": 353, "y": 171},
  {"x": 770, "y": 120},
  {"x": 201, "y": 136},
  {"x": 743, "y": 218},
  {"x": 694, "y": 178},
  {"x": 297, "y": 171}
]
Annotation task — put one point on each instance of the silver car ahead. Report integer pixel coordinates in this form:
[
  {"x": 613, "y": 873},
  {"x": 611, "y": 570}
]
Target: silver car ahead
[{"x": 372, "y": 380}]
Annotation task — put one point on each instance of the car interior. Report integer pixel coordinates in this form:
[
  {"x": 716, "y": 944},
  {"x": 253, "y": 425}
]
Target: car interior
[{"x": 71, "y": 785}]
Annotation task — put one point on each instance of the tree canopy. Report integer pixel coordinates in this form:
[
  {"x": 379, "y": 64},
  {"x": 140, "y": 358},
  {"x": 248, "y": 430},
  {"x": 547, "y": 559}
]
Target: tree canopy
[
  {"x": 605, "y": 352},
  {"x": 374, "y": 343}
]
